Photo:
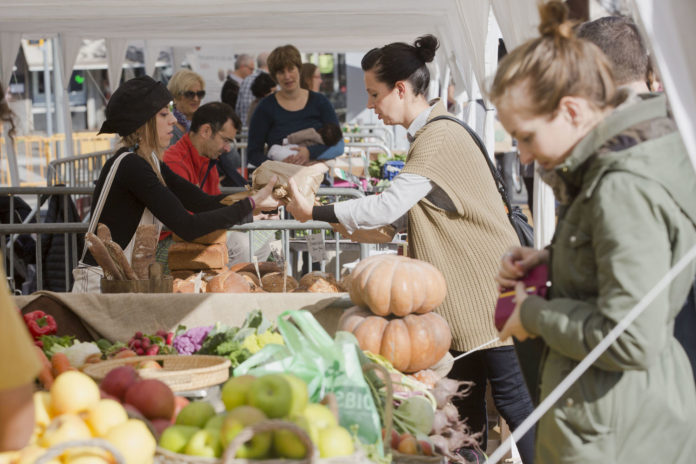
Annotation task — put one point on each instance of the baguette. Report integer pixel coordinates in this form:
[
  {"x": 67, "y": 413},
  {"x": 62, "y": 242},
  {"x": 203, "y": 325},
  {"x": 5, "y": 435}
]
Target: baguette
[
  {"x": 120, "y": 259},
  {"x": 102, "y": 257},
  {"x": 144, "y": 248},
  {"x": 103, "y": 232}
]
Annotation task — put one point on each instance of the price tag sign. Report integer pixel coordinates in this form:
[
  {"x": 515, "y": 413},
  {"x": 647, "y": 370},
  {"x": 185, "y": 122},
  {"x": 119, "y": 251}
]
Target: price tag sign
[{"x": 316, "y": 247}]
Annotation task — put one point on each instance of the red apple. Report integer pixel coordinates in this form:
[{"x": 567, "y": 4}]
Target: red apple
[
  {"x": 160, "y": 425},
  {"x": 426, "y": 448},
  {"x": 119, "y": 380},
  {"x": 153, "y": 398},
  {"x": 179, "y": 403}
]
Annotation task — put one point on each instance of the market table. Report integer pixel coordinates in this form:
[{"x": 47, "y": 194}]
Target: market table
[{"x": 117, "y": 317}]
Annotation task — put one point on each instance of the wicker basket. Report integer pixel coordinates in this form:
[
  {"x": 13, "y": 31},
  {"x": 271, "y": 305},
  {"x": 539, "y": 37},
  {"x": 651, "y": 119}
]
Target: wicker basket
[
  {"x": 180, "y": 373},
  {"x": 57, "y": 450}
]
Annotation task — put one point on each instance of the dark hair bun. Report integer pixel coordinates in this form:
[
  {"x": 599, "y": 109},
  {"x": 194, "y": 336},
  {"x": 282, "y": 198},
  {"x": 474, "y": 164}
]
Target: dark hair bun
[
  {"x": 426, "y": 47},
  {"x": 554, "y": 20}
]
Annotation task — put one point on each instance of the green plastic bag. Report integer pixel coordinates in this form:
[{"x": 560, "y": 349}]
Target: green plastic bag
[{"x": 327, "y": 365}]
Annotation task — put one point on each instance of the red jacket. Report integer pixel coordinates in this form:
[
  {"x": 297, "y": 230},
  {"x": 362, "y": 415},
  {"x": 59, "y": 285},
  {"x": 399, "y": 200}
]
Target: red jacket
[{"x": 184, "y": 159}]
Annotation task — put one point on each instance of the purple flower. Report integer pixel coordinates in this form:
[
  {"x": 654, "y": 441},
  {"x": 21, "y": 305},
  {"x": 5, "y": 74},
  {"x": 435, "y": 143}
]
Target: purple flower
[{"x": 190, "y": 341}]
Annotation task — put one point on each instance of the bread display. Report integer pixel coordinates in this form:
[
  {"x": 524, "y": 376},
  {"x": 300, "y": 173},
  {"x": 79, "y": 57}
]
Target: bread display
[{"x": 185, "y": 255}]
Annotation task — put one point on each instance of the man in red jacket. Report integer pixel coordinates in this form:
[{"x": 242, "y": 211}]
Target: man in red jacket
[{"x": 194, "y": 157}]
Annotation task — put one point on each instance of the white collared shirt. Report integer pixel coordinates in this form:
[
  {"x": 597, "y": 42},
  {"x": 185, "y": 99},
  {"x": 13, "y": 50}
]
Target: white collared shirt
[{"x": 405, "y": 192}]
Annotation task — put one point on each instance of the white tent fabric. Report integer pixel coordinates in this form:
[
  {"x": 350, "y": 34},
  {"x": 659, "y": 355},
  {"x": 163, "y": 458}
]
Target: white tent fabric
[
  {"x": 116, "y": 56},
  {"x": 9, "y": 44},
  {"x": 70, "y": 47},
  {"x": 517, "y": 19}
]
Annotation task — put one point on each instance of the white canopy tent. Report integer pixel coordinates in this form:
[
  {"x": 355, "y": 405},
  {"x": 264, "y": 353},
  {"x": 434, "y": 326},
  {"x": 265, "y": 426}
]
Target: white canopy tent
[{"x": 358, "y": 25}]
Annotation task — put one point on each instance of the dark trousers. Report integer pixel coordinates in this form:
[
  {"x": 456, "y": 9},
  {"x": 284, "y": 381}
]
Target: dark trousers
[
  {"x": 499, "y": 366},
  {"x": 685, "y": 327}
]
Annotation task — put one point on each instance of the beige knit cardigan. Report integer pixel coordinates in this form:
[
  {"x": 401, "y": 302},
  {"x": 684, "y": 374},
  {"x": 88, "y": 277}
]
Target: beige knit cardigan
[{"x": 465, "y": 245}]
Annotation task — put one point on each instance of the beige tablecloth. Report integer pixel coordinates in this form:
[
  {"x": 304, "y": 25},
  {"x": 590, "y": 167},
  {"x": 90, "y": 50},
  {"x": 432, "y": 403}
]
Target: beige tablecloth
[{"x": 119, "y": 316}]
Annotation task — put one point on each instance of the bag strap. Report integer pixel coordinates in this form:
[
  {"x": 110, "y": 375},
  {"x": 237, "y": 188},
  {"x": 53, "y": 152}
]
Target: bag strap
[
  {"x": 494, "y": 172},
  {"x": 94, "y": 220}
]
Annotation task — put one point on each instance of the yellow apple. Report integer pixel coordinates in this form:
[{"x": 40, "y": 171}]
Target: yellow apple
[
  {"x": 335, "y": 441},
  {"x": 29, "y": 455},
  {"x": 73, "y": 392},
  {"x": 104, "y": 415},
  {"x": 64, "y": 428},
  {"x": 134, "y": 440},
  {"x": 42, "y": 406},
  {"x": 314, "y": 418}
]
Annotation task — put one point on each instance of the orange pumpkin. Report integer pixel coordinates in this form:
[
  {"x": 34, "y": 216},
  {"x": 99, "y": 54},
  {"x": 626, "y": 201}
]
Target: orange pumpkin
[
  {"x": 391, "y": 284},
  {"x": 411, "y": 343}
]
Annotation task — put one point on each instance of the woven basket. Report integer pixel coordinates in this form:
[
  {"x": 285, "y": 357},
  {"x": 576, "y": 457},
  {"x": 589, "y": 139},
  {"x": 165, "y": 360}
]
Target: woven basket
[
  {"x": 180, "y": 373},
  {"x": 57, "y": 450},
  {"x": 397, "y": 457}
]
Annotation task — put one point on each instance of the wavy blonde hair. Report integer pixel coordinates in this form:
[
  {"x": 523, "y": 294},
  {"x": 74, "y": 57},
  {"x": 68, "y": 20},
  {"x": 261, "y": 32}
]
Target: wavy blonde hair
[
  {"x": 146, "y": 139},
  {"x": 555, "y": 65}
]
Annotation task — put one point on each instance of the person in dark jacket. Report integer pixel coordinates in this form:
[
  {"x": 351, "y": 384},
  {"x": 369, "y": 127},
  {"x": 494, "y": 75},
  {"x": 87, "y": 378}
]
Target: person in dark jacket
[{"x": 626, "y": 186}]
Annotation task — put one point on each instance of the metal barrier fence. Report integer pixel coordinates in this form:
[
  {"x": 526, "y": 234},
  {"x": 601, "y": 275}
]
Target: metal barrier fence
[
  {"x": 10, "y": 231},
  {"x": 34, "y": 154}
]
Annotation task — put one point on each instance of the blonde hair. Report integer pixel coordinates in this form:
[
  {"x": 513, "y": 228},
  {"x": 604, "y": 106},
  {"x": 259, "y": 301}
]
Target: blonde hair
[
  {"x": 556, "y": 65},
  {"x": 146, "y": 140},
  {"x": 182, "y": 80}
]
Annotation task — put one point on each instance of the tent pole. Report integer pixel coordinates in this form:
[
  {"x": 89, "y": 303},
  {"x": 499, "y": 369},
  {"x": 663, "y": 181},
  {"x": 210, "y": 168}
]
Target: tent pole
[
  {"x": 63, "y": 118},
  {"x": 47, "y": 90},
  {"x": 11, "y": 157}
]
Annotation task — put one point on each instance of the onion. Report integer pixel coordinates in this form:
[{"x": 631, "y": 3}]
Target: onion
[
  {"x": 451, "y": 412},
  {"x": 445, "y": 389},
  {"x": 440, "y": 422}
]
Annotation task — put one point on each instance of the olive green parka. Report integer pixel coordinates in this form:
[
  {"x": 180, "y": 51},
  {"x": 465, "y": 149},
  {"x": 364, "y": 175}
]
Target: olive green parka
[{"x": 630, "y": 215}]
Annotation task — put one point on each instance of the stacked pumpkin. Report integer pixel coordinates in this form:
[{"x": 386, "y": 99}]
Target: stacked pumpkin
[{"x": 395, "y": 297}]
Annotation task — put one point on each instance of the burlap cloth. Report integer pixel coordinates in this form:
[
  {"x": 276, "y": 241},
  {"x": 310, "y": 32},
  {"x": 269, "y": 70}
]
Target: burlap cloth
[{"x": 117, "y": 317}]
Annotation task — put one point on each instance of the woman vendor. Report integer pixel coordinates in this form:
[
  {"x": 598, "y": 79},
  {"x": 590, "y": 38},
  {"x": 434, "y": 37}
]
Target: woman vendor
[
  {"x": 456, "y": 222},
  {"x": 138, "y": 188}
]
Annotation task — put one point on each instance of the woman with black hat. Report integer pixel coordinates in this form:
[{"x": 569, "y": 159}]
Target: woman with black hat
[{"x": 135, "y": 187}]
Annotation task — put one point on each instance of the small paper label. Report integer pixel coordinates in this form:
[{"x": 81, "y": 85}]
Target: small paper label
[{"x": 316, "y": 247}]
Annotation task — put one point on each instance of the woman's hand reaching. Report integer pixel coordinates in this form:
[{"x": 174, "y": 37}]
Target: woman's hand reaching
[
  {"x": 516, "y": 263},
  {"x": 297, "y": 204},
  {"x": 264, "y": 199}
]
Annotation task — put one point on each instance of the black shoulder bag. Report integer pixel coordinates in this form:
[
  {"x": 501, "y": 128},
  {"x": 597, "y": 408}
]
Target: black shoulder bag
[{"x": 517, "y": 218}]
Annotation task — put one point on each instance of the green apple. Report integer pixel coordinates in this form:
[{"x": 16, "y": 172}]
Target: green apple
[
  {"x": 215, "y": 422},
  {"x": 204, "y": 443},
  {"x": 238, "y": 419},
  {"x": 175, "y": 437},
  {"x": 335, "y": 441},
  {"x": 314, "y": 418},
  {"x": 300, "y": 395},
  {"x": 196, "y": 413},
  {"x": 272, "y": 394},
  {"x": 235, "y": 391},
  {"x": 288, "y": 445}
]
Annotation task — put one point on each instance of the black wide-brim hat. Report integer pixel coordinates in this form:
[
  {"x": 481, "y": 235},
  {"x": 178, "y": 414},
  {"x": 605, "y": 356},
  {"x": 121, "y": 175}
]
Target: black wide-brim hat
[{"x": 133, "y": 104}]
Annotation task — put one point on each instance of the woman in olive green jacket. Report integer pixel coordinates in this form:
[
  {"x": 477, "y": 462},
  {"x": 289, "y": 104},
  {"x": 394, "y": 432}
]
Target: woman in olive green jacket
[{"x": 627, "y": 214}]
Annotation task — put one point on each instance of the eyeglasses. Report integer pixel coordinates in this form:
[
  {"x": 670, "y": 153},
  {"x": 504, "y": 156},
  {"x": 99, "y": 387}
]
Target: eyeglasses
[{"x": 190, "y": 94}]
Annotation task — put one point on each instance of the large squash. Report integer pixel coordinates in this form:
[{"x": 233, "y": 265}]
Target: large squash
[
  {"x": 391, "y": 284},
  {"x": 411, "y": 343}
]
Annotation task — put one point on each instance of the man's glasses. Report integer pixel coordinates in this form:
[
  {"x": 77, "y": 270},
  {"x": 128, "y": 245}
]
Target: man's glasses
[{"x": 190, "y": 94}]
